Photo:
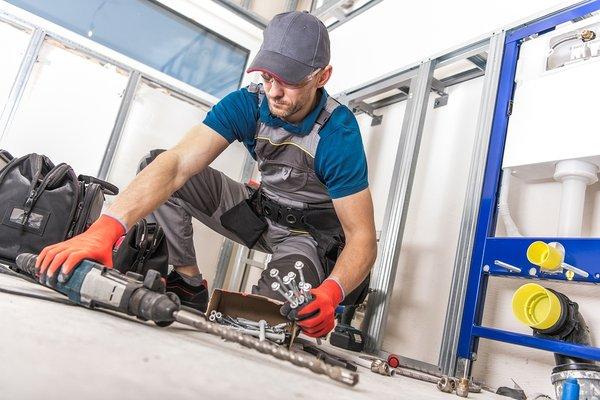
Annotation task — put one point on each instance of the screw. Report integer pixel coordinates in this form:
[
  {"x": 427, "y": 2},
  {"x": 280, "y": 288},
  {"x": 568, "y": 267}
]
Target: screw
[
  {"x": 274, "y": 273},
  {"x": 293, "y": 284},
  {"x": 294, "y": 303},
  {"x": 262, "y": 324},
  {"x": 287, "y": 281},
  {"x": 299, "y": 265},
  {"x": 306, "y": 289},
  {"x": 276, "y": 287}
]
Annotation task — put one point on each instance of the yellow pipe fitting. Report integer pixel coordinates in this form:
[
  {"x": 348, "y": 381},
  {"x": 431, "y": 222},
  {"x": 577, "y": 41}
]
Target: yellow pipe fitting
[
  {"x": 536, "y": 306},
  {"x": 547, "y": 257}
]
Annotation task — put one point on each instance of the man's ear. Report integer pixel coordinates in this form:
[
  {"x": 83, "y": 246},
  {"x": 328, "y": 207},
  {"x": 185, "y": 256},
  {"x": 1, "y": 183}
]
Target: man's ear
[{"x": 324, "y": 76}]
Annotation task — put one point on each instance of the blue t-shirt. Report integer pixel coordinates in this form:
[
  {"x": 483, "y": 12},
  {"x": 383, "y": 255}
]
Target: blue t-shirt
[{"x": 340, "y": 161}]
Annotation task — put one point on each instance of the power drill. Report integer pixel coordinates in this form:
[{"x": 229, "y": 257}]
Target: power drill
[{"x": 93, "y": 285}]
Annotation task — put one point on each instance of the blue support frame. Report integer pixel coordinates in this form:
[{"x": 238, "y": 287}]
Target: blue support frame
[{"x": 583, "y": 253}]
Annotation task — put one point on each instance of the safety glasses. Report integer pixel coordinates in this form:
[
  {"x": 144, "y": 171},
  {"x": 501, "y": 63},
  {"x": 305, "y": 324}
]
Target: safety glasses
[{"x": 268, "y": 79}]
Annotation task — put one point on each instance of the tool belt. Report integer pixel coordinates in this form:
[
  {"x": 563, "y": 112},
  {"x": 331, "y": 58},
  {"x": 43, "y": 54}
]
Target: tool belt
[
  {"x": 292, "y": 218},
  {"x": 248, "y": 221},
  {"x": 324, "y": 227}
]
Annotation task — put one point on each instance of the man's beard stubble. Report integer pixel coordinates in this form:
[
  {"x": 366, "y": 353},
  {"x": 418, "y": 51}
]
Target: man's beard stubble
[{"x": 291, "y": 109}]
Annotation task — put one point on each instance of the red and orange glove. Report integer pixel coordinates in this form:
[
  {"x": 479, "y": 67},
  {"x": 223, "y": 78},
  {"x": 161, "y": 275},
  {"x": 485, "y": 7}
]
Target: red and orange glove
[
  {"x": 317, "y": 318},
  {"x": 95, "y": 244}
]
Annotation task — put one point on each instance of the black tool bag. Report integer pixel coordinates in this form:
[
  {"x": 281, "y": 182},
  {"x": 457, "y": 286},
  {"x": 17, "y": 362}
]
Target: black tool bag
[
  {"x": 143, "y": 248},
  {"x": 42, "y": 203}
]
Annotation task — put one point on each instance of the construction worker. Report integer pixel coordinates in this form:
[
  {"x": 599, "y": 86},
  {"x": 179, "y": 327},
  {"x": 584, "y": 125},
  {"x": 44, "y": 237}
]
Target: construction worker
[{"x": 313, "y": 204}]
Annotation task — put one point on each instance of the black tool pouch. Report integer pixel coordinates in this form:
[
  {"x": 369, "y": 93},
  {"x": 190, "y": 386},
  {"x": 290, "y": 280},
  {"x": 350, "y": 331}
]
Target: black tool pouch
[
  {"x": 244, "y": 221},
  {"x": 324, "y": 226},
  {"x": 143, "y": 248}
]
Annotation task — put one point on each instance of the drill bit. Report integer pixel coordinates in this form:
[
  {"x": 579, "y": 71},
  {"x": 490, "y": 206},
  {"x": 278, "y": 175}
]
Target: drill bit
[{"x": 317, "y": 366}]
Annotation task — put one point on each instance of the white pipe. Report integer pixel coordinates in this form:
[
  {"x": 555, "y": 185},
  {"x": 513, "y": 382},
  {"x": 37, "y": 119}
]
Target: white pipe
[
  {"x": 503, "y": 209},
  {"x": 575, "y": 176}
]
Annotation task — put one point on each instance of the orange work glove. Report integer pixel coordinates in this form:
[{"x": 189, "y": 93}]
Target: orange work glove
[
  {"x": 95, "y": 244},
  {"x": 317, "y": 318}
]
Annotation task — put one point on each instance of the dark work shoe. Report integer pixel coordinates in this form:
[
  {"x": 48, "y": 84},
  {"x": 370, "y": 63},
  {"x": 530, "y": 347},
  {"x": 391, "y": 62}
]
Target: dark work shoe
[{"x": 192, "y": 291}]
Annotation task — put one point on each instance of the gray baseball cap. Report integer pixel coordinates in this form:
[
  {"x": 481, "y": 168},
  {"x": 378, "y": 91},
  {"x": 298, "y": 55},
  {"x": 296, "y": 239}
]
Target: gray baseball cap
[{"x": 295, "y": 45}]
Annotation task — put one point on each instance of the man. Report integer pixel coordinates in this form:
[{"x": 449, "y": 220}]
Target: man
[{"x": 313, "y": 204}]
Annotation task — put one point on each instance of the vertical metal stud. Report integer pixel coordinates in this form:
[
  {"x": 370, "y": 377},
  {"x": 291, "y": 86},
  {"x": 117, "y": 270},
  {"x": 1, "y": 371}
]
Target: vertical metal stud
[
  {"x": 462, "y": 260},
  {"x": 119, "y": 126},
  {"x": 18, "y": 88},
  {"x": 384, "y": 274}
]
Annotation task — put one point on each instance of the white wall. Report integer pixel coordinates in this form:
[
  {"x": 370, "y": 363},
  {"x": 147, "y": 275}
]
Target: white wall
[
  {"x": 388, "y": 37},
  {"x": 76, "y": 128},
  {"x": 14, "y": 43},
  {"x": 71, "y": 101},
  {"x": 397, "y": 33}
]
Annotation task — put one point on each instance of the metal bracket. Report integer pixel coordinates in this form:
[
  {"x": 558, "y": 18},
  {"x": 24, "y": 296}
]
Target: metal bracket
[
  {"x": 439, "y": 88},
  {"x": 441, "y": 101},
  {"x": 370, "y": 111}
]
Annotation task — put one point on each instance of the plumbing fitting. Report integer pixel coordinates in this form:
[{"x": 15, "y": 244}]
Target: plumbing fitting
[
  {"x": 575, "y": 176},
  {"x": 551, "y": 315},
  {"x": 550, "y": 258},
  {"x": 586, "y": 375},
  {"x": 462, "y": 388},
  {"x": 587, "y": 35},
  {"x": 382, "y": 367},
  {"x": 446, "y": 384}
]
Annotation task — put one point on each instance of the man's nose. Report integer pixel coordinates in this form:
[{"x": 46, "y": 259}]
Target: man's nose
[{"x": 276, "y": 89}]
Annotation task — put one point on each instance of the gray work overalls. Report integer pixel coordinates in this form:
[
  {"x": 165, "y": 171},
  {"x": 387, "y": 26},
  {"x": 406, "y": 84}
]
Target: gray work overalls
[{"x": 289, "y": 188}]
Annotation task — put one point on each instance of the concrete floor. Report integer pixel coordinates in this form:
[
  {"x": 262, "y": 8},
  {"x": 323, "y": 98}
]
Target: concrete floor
[{"x": 59, "y": 351}]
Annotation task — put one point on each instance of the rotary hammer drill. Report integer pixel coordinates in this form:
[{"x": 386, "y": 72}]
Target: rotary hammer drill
[{"x": 93, "y": 285}]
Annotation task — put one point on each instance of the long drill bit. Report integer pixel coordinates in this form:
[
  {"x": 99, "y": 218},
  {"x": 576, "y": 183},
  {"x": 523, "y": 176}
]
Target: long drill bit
[{"x": 317, "y": 366}]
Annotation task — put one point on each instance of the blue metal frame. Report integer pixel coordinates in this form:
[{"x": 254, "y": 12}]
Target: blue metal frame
[{"x": 583, "y": 253}]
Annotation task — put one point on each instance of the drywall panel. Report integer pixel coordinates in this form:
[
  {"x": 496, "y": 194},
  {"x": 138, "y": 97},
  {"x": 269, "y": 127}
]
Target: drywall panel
[
  {"x": 381, "y": 143},
  {"x": 68, "y": 109},
  {"x": 13, "y": 42},
  {"x": 420, "y": 295},
  {"x": 158, "y": 120}
]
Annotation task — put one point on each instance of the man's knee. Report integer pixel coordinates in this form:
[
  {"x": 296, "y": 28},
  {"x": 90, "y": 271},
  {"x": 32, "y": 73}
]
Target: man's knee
[
  {"x": 148, "y": 158},
  {"x": 284, "y": 266}
]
